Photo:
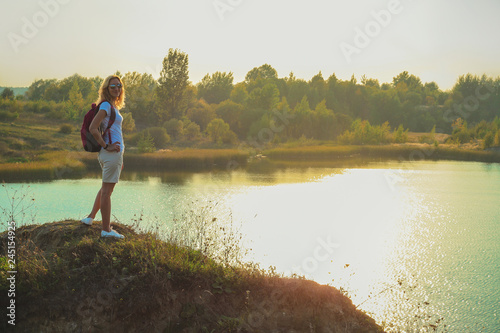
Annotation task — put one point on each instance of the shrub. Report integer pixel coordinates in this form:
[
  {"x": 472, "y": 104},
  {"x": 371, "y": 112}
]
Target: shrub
[
  {"x": 65, "y": 129},
  {"x": 159, "y": 135},
  {"x": 429, "y": 138},
  {"x": 400, "y": 135},
  {"x": 461, "y": 134},
  {"x": 364, "y": 133},
  {"x": 219, "y": 132},
  {"x": 497, "y": 139},
  {"x": 488, "y": 140},
  {"x": 146, "y": 143},
  {"x": 8, "y": 116},
  {"x": 174, "y": 127},
  {"x": 192, "y": 132},
  {"x": 128, "y": 124}
]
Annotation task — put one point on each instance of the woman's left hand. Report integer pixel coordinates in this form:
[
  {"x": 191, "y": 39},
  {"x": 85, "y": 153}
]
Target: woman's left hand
[{"x": 114, "y": 147}]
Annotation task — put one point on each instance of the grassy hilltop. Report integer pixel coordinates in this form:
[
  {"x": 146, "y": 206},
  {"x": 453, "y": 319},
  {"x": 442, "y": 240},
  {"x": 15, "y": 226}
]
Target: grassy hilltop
[{"x": 69, "y": 279}]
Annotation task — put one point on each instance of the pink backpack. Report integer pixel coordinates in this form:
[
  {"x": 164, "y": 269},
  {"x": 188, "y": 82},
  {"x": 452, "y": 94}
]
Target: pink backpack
[{"x": 89, "y": 142}]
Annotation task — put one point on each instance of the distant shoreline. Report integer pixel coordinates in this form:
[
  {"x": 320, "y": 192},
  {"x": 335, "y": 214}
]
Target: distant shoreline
[
  {"x": 68, "y": 165},
  {"x": 401, "y": 152}
]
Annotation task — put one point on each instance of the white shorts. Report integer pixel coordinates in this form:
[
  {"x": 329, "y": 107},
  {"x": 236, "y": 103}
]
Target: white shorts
[{"x": 111, "y": 165}]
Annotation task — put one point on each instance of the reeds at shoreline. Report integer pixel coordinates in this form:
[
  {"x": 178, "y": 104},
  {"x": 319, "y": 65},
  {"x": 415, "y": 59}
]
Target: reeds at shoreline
[
  {"x": 66, "y": 164},
  {"x": 395, "y": 152}
]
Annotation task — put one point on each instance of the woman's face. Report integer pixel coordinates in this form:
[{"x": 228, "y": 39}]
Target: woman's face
[{"x": 115, "y": 87}]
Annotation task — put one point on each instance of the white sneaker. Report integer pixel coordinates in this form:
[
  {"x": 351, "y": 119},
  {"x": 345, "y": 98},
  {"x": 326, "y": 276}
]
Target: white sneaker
[
  {"x": 87, "y": 221},
  {"x": 111, "y": 233}
]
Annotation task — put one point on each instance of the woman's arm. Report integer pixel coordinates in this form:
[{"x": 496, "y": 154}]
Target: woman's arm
[{"x": 94, "y": 127}]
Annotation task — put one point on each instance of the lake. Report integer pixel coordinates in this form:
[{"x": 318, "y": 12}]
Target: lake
[{"x": 411, "y": 243}]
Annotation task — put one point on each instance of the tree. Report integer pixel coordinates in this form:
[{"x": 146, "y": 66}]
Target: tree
[
  {"x": 265, "y": 98},
  {"x": 172, "y": 91},
  {"x": 174, "y": 128},
  {"x": 191, "y": 131},
  {"x": 258, "y": 77},
  {"x": 263, "y": 72},
  {"x": 239, "y": 94},
  {"x": 301, "y": 124},
  {"x": 7, "y": 93},
  {"x": 140, "y": 100},
  {"x": 37, "y": 89},
  {"x": 128, "y": 124},
  {"x": 159, "y": 135},
  {"x": 325, "y": 125},
  {"x": 201, "y": 113},
  {"x": 317, "y": 90},
  {"x": 296, "y": 89},
  {"x": 466, "y": 85},
  {"x": 412, "y": 82},
  {"x": 216, "y": 88},
  {"x": 370, "y": 82},
  {"x": 218, "y": 131},
  {"x": 231, "y": 112},
  {"x": 75, "y": 102},
  {"x": 146, "y": 143},
  {"x": 385, "y": 106}
]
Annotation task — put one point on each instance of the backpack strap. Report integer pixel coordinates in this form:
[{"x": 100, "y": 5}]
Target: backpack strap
[
  {"x": 111, "y": 121},
  {"x": 112, "y": 118}
]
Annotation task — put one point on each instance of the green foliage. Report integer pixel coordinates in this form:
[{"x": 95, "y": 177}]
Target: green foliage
[
  {"x": 460, "y": 133},
  {"x": 263, "y": 72},
  {"x": 400, "y": 135},
  {"x": 140, "y": 97},
  {"x": 7, "y": 93},
  {"x": 497, "y": 139},
  {"x": 146, "y": 143},
  {"x": 175, "y": 128},
  {"x": 201, "y": 113},
  {"x": 489, "y": 139},
  {"x": 128, "y": 124},
  {"x": 363, "y": 133},
  {"x": 216, "y": 88},
  {"x": 75, "y": 102},
  {"x": 264, "y": 98},
  {"x": 231, "y": 112},
  {"x": 297, "y": 89},
  {"x": 159, "y": 135},
  {"x": 239, "y": 94},
  {"x": 59, "y": 90},
  {"x": 407, "y": 82},
  {"x": 428, "y": 138},
  {"x": 219, "y": 132},
  {"x": 172, "y": 92},
  {"x": 192, "y": 131},
  {"x": 7, "y": 116}
]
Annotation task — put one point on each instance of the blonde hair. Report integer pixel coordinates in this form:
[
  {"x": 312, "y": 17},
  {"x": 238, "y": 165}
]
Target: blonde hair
[{"x": 104, "y": 94}]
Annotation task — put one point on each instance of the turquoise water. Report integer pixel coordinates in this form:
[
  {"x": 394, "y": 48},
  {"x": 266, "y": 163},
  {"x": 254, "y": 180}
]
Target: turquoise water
[{"x": 413, "y": 244}]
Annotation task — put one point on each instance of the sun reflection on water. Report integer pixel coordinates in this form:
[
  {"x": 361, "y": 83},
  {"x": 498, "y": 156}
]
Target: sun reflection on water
[{"x": 341, "y": 229}]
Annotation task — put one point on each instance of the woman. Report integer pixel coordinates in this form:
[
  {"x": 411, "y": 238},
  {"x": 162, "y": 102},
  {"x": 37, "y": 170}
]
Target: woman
[{"x": 111, "y": 95}]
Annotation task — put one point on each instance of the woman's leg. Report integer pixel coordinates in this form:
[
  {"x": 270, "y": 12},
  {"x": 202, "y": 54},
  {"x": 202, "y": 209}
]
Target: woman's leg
[
  {"x": 97, "y": 205},
  {"x": 106, "y": 191}
]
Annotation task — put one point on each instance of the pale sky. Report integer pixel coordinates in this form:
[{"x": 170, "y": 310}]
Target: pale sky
[{"x": 437, "y": 40}]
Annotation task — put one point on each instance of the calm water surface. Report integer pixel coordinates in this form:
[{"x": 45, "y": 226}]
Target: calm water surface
[{"x": 411, "y": 243}]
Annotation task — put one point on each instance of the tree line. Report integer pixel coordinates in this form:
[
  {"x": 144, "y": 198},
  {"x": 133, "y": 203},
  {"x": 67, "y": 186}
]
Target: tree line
[{"x": 223, "y": 111}]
